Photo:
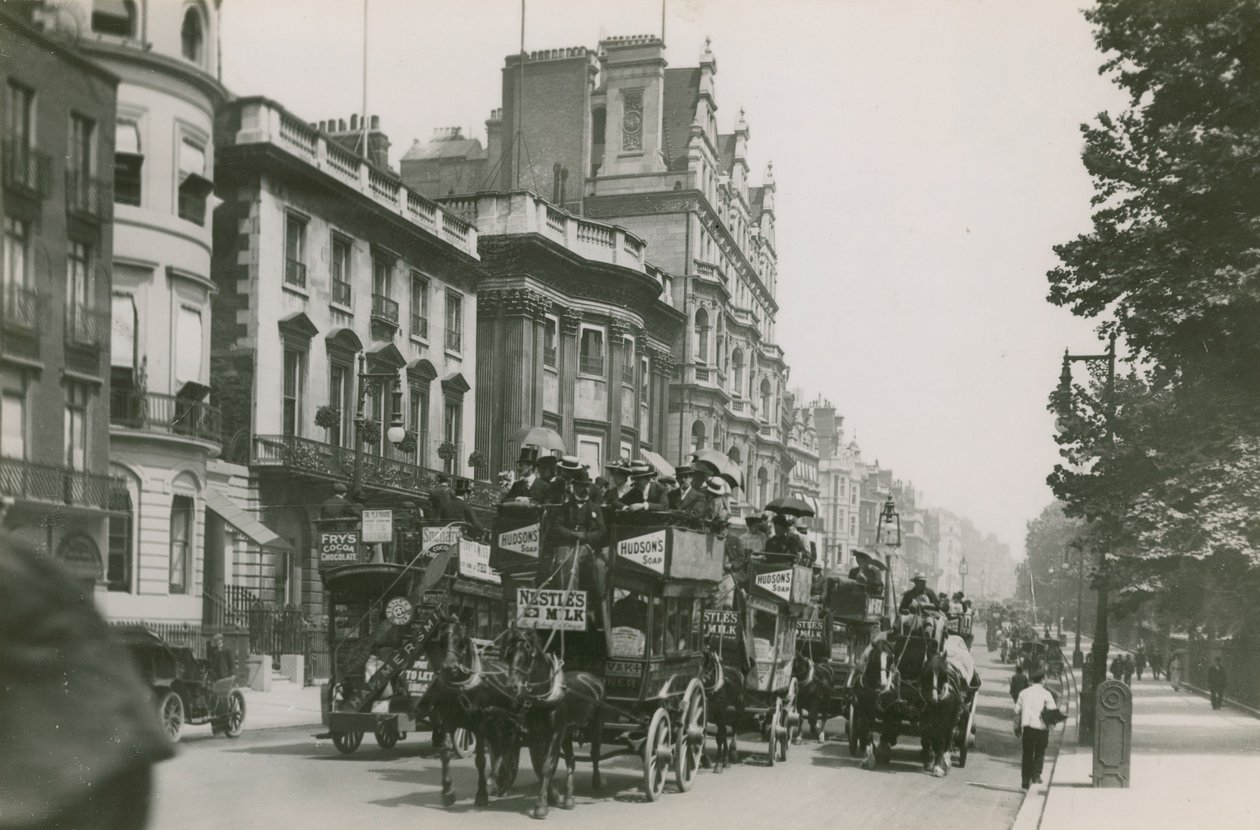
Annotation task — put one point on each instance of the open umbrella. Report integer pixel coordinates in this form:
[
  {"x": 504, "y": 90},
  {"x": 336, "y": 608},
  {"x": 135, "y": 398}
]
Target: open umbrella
[
  {"x": 790, "y": 506},
  {"x": 718, "y": 464},
  {"x": 545, "y": 438}
]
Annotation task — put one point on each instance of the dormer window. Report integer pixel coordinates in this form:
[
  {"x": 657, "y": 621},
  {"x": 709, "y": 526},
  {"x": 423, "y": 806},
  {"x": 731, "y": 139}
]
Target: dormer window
[{"x": 192, "y": 36}]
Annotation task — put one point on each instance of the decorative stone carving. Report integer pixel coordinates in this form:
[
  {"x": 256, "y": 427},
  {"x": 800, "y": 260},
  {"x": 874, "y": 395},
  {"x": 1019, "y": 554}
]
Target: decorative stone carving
[
  {"x": 516, "y": 302},
  {"x": 632, "y": 121},
  {"x": 570, "y": 323}
]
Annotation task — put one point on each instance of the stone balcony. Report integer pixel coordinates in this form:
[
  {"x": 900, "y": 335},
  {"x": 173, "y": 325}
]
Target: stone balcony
[
  {"x": 265, "y": 122},
  {"x": 522, "y": 212}
]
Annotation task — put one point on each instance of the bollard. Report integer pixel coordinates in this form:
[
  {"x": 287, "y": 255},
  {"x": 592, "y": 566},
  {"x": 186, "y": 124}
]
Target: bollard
[{"x": 1113, "y": 734}]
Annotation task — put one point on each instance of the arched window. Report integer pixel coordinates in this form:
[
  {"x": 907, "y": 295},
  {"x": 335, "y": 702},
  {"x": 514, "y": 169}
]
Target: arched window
[
  {"x": 702, "y": 335},
  {"x": 765, "y": 400},
  {"x": 763, "y": 487},
  {"x": 697, "y": 436},
  {"x": 733, "y": 454},
  {"x": 120, "y": 558},
  {"x": 192, "y": 35},
  {"x": 737, "y": 372}
]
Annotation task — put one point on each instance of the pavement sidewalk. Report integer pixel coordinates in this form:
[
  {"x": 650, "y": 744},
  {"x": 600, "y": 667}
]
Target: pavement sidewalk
[
  {"x": 287, "y": 704},
  {"x": 1190, "y": 766}
]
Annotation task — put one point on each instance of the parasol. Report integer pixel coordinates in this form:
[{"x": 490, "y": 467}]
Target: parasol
[{"x": 546, "y": 439}]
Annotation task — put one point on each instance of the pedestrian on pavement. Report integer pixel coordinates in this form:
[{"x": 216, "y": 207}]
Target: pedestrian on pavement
[
  {"x": 1216, "y": 683},
  {"x": 1030, "y": 726},
  {"x": 79, "y": 733},
  {"x": 1157, "y": 663},
  {"x": 1019, "y": 681},
  {"x": 1140, "y": 663},
  {"x": 1128, "y": 670},
  {"x": 1117, "y": 667}
]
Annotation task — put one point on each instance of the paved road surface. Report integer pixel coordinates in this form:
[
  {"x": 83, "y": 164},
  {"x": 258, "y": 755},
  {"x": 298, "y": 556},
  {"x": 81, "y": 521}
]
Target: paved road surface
[{"x": 285, "y": 778}]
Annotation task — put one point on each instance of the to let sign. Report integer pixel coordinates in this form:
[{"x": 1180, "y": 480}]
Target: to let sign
[
  {"x": 551, "y": 609},
  {"x": 338, "y": 547},
  {"x": 378, "y": 526}
]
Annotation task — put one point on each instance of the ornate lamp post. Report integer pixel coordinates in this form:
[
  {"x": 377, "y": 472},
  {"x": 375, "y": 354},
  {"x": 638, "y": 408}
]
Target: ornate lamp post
[
  {"x": 370, "y": 382},
  {"x": 1101, "y": 636},
  {"x": 888, "y": 534},
  {"x": 962, "y": 574}
]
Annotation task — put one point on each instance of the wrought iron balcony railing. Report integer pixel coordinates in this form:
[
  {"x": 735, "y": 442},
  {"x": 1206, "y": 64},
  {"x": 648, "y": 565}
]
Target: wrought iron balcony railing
[
  {"x": 87, "y": 327},
  {"x": 454, "y": 340},
  {"x": 23, "y": 309},
  {"x": 56, "y": 485},
  {"x": 27, "y": 170},
  {"x": 164, "y": 414},
  {"x": 302, "y": 455},
  {"x": 89, "y": 197},
  {"x": 385, "y": 310},
  {"x": 341, "y": 293},
  {"x": 295, "y": 273},
  {"x": 591, "y": 364}
]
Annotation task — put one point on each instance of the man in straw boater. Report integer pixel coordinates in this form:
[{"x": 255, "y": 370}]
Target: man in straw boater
[
  {"x": 525, "y": 474},
  {"x": 619, "y": 471},
  {"x": 645, "y": 493},
  {"x": 918, "y": 596}
]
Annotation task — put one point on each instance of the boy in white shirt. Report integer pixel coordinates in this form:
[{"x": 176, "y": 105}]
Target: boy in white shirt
[{"x": 1029, "y": 725}]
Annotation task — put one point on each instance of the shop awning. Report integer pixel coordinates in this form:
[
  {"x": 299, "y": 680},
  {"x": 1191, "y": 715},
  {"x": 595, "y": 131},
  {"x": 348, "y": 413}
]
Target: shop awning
[
  {"x": 662, "y": 467},
  {"x": 239, "y": 518}
]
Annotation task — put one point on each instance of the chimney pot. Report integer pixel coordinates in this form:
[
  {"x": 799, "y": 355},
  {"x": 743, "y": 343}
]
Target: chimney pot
[
  {"x": 341, "y": 125},
  {"x": 354, "y": 122},
  {"x": 376, "y": 122}
]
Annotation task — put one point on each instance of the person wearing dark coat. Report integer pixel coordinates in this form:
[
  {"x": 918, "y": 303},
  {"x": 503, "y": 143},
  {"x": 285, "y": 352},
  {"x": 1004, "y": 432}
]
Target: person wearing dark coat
[
  {"x": 219, "y": 660},
  {"x": 525, "y": 475},
  {"x": 439, "y": 494},
  {"x": 786, "y": 540},
  {"x": 79, "y": 733},
  {"x": 547, "y": 488},
  {"x": 919, "y": 590},
  {"x": 1019, "y": 681},
  {"x": 1128, "y": 670},
  {"x": 644, "y": 491},
  {"x": 1216, "y": 683},
  {"x": 337, "y": 508},
  {"x": 869, "y": 572},
  {"x": 456, "y": 509},
  {"x": 575, "y": 529}
]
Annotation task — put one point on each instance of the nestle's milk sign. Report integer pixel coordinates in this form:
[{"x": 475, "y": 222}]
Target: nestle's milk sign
[
  {"x": 522, "y": 540},
  {"x": 648, "y": 550},
  {"x": 778, "y": 583}
]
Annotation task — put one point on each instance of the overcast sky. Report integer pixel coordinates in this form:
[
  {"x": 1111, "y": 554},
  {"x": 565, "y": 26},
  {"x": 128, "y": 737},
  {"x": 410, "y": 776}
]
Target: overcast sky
[{"x": 926, "y": 154}]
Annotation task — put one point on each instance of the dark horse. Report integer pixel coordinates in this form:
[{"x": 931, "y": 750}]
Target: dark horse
[
  {"x": 556, "y": 705},
  {"x": 942, "y": 702},
  {"x": 876, "y": 684},
  {"x": 471, "y": 692},
  {"x": 724, "y": 690},
  {"x": 817, "y": 684}
]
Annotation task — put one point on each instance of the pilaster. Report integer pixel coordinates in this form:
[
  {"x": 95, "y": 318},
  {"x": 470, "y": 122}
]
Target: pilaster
[{"x": 570, "y": 327}]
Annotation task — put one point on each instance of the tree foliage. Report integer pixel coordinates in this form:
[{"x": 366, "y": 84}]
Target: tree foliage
[{"x": 1166, "y": 468}]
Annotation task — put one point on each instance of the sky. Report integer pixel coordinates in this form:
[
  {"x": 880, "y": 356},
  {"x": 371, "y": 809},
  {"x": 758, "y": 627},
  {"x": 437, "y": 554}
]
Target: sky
[{"x": 926, "y": 157}]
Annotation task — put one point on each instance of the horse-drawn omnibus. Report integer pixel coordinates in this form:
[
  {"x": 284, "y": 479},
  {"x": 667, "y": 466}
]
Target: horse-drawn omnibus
[
  {"x": 752, "y": 627},
  {"x": 361, "y": 637},
  {"x": 639, "y": 633}
]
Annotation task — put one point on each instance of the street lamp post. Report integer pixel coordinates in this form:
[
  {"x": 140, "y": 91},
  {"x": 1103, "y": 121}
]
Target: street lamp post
[
  {"x": 1078, "y": 659},
  {"x": 1101, "y": 644},
  {"x": 888, "y": 534},
  {"x": 368, "y": 383},
  {"x": 962, "y": 574}
]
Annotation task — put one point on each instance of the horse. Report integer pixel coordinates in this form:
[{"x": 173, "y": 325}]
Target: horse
[
  {"x": 816, "y": 694},
  {"x": 942, "y": 692},
  {"x": 724, "y": 694},
  {"x": 876, "y": 680},
  {"x": 556, "y": 704},
  {"x": 469, "y": 691}
]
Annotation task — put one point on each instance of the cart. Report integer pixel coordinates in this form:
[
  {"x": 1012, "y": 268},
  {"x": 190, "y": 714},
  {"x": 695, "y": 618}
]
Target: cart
[
  {"x": 753, "y": 627},
  {"x": 650, "y": 652},
  {"x": 362, "y": 639},
  {"x": 182, "y": 686}
]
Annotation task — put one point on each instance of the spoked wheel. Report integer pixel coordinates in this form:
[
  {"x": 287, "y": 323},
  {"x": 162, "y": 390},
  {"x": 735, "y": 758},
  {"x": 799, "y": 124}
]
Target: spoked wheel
[
  {"x": 772, "y": 731},
  {"x": 657, "y": 752},
  {"x": 235, "y": 720},
  {"x": 691, "y": 734},
  {"x": 347, "y": 742},
  {"x": 783, "y": 725},
  {"x": 171, "y": 711},
  {"x": 850, "y": 727},
  {"x": 463, "y": 741},
  {"x": 386, "y": 735},
  {"x": 792, "y": 705}
]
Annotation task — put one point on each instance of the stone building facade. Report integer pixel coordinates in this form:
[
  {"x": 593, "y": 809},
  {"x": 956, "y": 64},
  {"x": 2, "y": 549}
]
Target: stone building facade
[
  {"x": 574, "y": 331},
  {"x": 57, "y": 161},
  {"x": 327, "y": 266},
  {"x": 615, "y": 135},
  {"x": 841, "y": 472}
]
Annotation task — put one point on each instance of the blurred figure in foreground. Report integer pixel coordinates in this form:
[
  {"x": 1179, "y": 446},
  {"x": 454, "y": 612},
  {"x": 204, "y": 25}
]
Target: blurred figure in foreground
[{"x": 79, "y": 734}]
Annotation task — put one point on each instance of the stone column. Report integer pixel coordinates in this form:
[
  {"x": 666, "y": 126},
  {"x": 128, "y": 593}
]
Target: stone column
[
  {"x": 570, "y": 327},
  {"x": 487, "y": 428},
  {"x": 517, "y": 357},
  {"x": 662, "y": 369},
  {"x": 617, "y": 334}
]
